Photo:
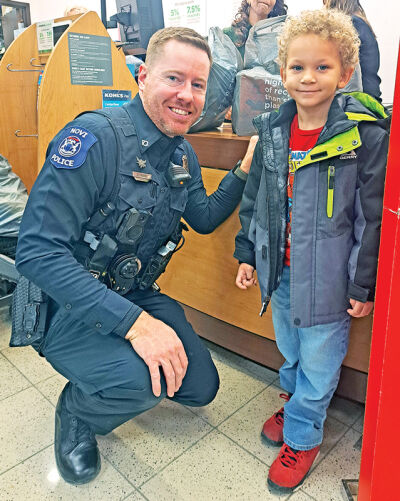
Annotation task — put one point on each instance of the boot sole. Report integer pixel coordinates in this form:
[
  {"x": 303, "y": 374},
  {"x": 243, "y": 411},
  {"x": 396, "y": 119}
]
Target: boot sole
[{"x": 269, "y": 441}]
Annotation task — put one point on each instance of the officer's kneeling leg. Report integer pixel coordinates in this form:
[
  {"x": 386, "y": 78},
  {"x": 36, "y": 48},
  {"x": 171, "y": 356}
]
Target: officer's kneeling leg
[
  {"x": 110, "y": 383},
  {"x": 201, "y": 382}
]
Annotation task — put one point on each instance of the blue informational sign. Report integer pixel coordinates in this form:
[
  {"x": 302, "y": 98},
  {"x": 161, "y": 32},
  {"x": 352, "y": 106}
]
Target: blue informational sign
[{"x": 112, "y": 98}]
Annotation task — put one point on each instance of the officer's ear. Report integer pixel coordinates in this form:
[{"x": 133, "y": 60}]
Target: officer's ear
[{"x": 143, "y": 71}]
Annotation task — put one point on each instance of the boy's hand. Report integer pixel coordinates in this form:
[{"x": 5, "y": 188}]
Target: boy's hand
[
  {"x": 244, "y": 277},
  {"x": 359, "y": 309}
]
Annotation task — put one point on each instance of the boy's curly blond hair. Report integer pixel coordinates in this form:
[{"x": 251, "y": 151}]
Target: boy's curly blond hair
[{"x": 331, "y": 25}]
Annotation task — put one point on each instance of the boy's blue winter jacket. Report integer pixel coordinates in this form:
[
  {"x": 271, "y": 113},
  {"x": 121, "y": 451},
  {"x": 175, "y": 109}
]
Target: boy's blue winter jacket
[{"x": 336, "y": 214}]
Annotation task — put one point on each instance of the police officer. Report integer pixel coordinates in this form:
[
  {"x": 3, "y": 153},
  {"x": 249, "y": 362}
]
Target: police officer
[{"x": 94, "y": 239}]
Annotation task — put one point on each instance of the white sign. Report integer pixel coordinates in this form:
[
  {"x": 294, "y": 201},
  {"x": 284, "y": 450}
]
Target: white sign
[
  {"x": 188, "y": 13},
  {"x": 44, "y": 32}
]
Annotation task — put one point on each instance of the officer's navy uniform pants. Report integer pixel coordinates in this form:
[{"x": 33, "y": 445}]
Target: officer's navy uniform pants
[{"x": 110, "y": 383}]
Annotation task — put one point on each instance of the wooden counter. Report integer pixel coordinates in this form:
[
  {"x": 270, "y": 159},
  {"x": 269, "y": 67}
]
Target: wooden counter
[
  {"x": 220, "y": 148},
  {"x": 202, "y": 278}
]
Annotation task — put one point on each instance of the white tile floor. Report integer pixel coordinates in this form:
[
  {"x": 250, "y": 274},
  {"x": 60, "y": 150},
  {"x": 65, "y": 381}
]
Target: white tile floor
[{"x": 171, "y": 452}]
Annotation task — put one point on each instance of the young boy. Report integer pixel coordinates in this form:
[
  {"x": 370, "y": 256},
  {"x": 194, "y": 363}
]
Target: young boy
[{"x": 311, "y": 226}]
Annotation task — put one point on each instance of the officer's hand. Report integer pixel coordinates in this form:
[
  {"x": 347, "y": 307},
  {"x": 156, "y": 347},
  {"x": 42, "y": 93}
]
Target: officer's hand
[
  {"x": 244, "y": 277},
  {"x": 157, "y": 344},
  {"x": 248, "y": 157},
  {"x": 359, "y": 309}
]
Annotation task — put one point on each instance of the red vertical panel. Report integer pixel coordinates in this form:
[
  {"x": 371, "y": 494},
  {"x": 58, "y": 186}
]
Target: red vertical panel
[{"x": 379, "y": 463}]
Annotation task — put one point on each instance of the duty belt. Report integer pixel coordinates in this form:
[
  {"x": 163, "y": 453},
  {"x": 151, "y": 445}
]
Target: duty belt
[{"x": 113, "y": 259}]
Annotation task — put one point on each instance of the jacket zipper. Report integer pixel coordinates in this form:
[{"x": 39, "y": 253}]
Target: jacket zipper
[
  {"x": 331, "y": 188},
  {"x": 264, "y": 305}
]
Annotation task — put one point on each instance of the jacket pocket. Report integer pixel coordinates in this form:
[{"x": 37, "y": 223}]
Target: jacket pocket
[
  {"x": 336, "y": 189},
  {"x": 178, "y": 199},
  {"x": 331, "y": 276},
  {"x": 331, "y": 190},
  {"x": 138, "y": 194}
]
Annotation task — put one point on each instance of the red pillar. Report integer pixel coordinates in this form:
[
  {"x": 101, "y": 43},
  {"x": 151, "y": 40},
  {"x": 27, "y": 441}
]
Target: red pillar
[{"x": 380, "y": 460}]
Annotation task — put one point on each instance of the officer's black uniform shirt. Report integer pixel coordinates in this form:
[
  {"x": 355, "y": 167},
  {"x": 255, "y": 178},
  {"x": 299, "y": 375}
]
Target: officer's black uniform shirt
[{"x": 73, "y": 183}]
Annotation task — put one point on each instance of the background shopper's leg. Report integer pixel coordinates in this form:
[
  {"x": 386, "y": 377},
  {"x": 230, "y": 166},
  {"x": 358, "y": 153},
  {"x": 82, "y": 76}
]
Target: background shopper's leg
[
  {"x": 287, "y": 337},
  {"x": 322, "y": 350}
]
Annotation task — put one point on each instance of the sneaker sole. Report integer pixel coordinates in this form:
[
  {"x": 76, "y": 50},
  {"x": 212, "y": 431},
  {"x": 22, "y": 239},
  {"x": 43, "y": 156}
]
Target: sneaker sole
[
  {"x": 279, "y": 490},
  {"x": 269, "y": 441}
]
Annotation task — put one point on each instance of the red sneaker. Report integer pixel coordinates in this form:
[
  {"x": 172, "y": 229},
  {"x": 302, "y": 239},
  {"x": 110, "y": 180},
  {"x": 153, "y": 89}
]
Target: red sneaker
[
  {"x": 290, "y": 468},
  {"x": 272, "y": 431}
]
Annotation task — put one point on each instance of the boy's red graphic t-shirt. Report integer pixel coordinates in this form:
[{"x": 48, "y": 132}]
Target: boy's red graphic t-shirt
[{"x": 301, "y": 142}]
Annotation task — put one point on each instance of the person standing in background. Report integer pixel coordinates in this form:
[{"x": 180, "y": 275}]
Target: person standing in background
[
  {"x": 369, "y": 50},
  {"x": 249, "y": 13},
  {"x": 74, "y": 10},
  {"x": 13, "y": 198}
]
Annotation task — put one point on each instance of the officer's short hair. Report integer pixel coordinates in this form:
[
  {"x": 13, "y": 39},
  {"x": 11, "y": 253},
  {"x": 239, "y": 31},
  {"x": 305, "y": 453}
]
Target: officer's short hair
[{"x": 184, "y": 35}]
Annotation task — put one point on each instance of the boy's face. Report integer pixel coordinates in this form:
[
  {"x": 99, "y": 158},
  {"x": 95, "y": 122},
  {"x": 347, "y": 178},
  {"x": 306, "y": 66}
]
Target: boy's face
[{"x": 313, "y": 73}]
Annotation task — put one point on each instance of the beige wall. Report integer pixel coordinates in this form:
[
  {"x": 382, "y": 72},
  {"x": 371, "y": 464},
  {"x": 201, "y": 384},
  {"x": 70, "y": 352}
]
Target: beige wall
[{"x": 43, "y": 9}]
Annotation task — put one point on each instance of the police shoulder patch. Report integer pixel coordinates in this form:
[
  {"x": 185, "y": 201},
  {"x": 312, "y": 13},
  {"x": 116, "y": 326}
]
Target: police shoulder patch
[{"x": 72, "y": 148}]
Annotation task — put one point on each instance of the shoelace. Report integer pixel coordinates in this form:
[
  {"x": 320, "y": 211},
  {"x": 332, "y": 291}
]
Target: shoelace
[
  {"x": 73, "y": 429},
  {"x": 289, "y": 458},
  {"x": 284, "y": 396},
  {"x": 279, "y": 414},
  {"x": 79, "y": 431}
]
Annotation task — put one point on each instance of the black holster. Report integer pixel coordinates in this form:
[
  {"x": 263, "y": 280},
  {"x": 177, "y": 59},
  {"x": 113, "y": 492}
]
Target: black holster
[
  {"x": 29, "y": 313},
  {"x": 158, "y": 262}
]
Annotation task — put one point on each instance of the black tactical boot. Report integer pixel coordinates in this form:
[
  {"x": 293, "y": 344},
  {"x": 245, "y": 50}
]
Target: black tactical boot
[{"x": 75, "y": 446}]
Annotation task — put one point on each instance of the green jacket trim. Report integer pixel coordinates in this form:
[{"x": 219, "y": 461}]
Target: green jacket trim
[
  {"x": 350, "y": 139},
  {"x": 342, "y": 143},
  {"x": 369, "y": 102},
  {"x": 360, "y": 117}
]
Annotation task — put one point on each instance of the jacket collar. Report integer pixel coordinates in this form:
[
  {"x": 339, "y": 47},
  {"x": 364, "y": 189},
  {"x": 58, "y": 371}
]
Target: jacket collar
[
  {"x": 148, "y": 134},
  {"x": 346, "y": 111},
  {"x": 337, "y": 119},
  {"x": 339, "y": 135}
]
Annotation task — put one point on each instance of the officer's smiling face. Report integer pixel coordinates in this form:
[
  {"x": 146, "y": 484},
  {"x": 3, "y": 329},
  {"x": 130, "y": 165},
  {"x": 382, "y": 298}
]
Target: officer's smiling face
[{"x": 173, "y": 89}]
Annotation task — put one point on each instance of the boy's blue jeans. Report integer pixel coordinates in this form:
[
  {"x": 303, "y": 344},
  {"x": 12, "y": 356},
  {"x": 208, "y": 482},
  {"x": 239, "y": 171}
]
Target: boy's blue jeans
[{"x": 313, "y": 358}]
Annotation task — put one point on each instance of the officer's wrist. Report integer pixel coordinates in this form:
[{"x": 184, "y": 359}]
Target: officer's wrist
[
  {"x": 132, "y": 334},
  {"x": 241, "y": 174}
]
